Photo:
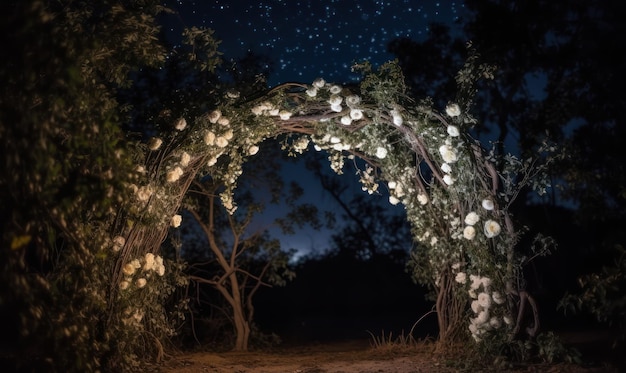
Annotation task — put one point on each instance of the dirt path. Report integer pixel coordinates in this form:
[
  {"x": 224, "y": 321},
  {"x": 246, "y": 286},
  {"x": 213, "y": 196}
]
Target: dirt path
[{"x": 348, "y": 357}]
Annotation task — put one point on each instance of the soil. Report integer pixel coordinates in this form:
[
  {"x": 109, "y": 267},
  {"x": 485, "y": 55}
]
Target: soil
[{"x": 347, "y": 357}]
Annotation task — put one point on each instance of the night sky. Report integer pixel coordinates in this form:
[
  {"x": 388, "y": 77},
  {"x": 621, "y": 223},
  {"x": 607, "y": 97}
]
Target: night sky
[{"x": 307, "y": 39}]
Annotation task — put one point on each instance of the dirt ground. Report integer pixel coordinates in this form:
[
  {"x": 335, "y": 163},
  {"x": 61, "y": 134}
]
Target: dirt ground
[{"x": 343, "y": 357}]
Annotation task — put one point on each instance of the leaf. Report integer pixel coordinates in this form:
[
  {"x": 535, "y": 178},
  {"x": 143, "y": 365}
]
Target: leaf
[{"x": 20, "y": 241}]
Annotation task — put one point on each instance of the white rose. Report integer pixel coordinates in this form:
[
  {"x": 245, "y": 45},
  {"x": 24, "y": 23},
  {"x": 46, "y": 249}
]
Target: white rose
[
  {"x": 492, "y": 228},
  {"x": 448, "y": 153},
  {"x": 181, "y": 123},
  {"x": 471, "y": 218},
  {"x": 453, "y": 131},
  {"x": 319, "y": 83},
  {"x": 488, "y": 204},
  {"x": 215, "y": 116},
  {"x": 155, "y": 143},
  {"x": 469, "y": 232},
  {"x": 453, "y": 110},
  {"x": 176, "y": 220},
  {"x": 381, "y": 152}
]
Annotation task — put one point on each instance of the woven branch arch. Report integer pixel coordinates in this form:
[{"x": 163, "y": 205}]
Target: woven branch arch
[{"x": 447, "y": 182}]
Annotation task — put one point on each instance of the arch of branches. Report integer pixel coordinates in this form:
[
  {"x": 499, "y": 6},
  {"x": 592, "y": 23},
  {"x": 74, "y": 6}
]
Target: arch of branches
[{"x": 456, "y": 200}]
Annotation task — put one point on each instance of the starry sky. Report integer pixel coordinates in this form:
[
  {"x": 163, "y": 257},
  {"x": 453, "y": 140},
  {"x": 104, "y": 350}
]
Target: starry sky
[{"x": 307, "y": 39}]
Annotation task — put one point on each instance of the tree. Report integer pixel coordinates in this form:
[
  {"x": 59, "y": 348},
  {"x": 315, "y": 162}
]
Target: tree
[
  {"x": 241, "y": 259},
  {"x": 65, "y": 166}
]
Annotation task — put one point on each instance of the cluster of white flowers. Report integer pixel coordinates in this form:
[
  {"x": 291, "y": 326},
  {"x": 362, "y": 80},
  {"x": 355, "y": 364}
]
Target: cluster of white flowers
[
  {"x": 483, "y": 301},
  {"x": 491, "y": 228},
  {"x": 300, "y": 144},
  {"x": 118, "y": 243},
  {"x": 143, "y": 268},
  {"x": 336, "y": 101},
  {"x": 133, "y": 316},
  {"x": 267, "y": 108},
  {"x": 368, "y": 180}
]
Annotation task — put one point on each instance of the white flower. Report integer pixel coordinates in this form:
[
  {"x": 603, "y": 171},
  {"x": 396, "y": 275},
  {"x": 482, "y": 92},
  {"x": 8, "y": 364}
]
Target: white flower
[
  {"x": 335, "y": 100},
  {"x": 335, "y": 140},
  {"x": 469, "y": 232},
  {"x": 356, "y": 114},
  {"x": 497, "y": 297},
  {"x": 476, "y": 307},
  {"x": 124, "y": 285},
  {"x": 353, "y": 100},
  {"x": 118, "y": 243},
  {"x": 346, "y": 120},
  {"x": 471, "y": 218},
  {"x": 449, "y": 180},
  {"x": 252, "y": 150},
  {"x": 184, "y": 159},
  {"x": 155, "y": 143},
  {"x": 492, "y": 228},
  {"x": 160, "y": 269},
  {"x": 392, "y": 184},
  {"x": 128, "y": 269},
  {"x": 453, "y": 110},
  {"x": 212, "y": 161},
  {"x": 311, "y": 92},
  {"x": 476, "y": 282},
  {"x": 228, "y": 134},
  {"x": 446, "y": 168},
  {"x": 141, "y": 282},
  {"x": 335, "y": 89},
  {"x": 284, "y": 114},
  {"x": 135, "y": 263},
  {"x": 393, "y": 200},
  {"x": 486, "y": 281},
  {"x": 181, "y": 123},
  {"x": 223, "y": 121},
  {"x": 274, "y": 112},
  {"x": 176, "y": 220},
  {"x": 149, "y": 262},
  {"x": 221, "y": 142},
  {"x": 507, "y": 320},
  {"x": 422, "y": 198},
  {"x": 453, "y": 131},
  {"x": 433, "y": 241},
  {"x": 381, "y": 152},
  {"x": 258, "y": 110},
  {"x": 495, "y": 322},
  {"x": 215, "y": 116},
  {"x": 396, "y": 117},
  {"x": 474, "y": 330},
  {"x": 336, "y": 108},
  {"x": 488, "y": 204},
  {"x": 144, "y": 193},
  {"x": 483, "y": 317},
  {"x": 461, "y": 278},
  {"x": 484, "y": 300},
  {"x": 448, "y": 153},
  {"x": 209, "y": 138},
  {"x": 319, "y": 83},
  {"x": 174, "y": 175}
]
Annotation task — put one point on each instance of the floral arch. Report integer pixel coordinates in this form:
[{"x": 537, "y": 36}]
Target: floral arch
[{"x": 455, "y": 199}]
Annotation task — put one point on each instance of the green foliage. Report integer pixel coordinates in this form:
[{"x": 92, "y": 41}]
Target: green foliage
[{"x": 70, "y": 168}]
